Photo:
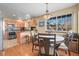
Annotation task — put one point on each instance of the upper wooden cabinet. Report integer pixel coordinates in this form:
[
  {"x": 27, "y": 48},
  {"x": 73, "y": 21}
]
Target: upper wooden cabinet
[
  {"x": 20, "y": 23},
  {"x": 9, "y": 21},
  {"x": 16, "y": 22},
  {"x": 33, "y": 23}
]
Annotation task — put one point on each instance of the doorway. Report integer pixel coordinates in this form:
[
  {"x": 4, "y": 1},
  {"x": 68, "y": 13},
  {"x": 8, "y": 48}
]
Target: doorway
[{"x": 9, "y": 34}]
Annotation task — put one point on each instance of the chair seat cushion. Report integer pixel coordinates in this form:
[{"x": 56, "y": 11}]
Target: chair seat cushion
[
  {"x": 36, "y": 43},
  {"x": 51, "y": 50},
  {"x": 63, "y": 46}
]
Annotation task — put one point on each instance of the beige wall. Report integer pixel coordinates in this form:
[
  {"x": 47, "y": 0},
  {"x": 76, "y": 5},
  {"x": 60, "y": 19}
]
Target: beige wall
[
  {"x": 72, "y": 10},
  {"x": 78, "y": 18}
]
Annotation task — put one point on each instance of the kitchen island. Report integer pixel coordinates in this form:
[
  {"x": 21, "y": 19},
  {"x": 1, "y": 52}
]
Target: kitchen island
[{"x": 23, "y": 37}]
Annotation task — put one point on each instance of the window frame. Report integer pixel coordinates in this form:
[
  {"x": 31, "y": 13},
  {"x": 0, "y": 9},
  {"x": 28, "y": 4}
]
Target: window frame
[{"x": 66, "y": 25}]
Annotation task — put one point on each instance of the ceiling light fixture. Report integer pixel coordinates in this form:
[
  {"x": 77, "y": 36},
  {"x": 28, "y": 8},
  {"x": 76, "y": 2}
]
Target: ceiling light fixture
[
  {"x": 14, "y": 15},
  {"x": 47, "y": 15},
  {"x": 47, "y": 10},
  {"x": 27, "y": 17}
]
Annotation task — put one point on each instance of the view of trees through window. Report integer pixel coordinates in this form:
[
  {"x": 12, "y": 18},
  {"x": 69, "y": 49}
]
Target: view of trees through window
[{"x": 60, "y": 23}]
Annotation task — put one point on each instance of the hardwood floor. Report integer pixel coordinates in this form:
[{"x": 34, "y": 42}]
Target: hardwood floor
[
  {"x": 21, "y": 50},
  {"x": 1, "y": 53},
  {"x": 26, "y": 50}
]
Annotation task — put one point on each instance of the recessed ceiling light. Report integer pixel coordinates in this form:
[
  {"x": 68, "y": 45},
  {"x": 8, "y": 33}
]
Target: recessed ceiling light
[
  {"x": 13, "y": 15},
  {"x": 27, "y": 16}
]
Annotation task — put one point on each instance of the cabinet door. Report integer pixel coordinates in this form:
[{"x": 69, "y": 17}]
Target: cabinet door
[
  {"x": 73, "y": 46},
  {"x": 1, "y": 29}
]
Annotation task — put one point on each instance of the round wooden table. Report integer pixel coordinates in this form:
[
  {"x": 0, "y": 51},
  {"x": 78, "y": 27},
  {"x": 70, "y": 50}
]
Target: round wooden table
[{"x": 59, "y": 40}]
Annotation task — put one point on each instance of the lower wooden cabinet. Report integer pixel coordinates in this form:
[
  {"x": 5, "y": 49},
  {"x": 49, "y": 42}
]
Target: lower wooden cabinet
[{"x": 74, "y": 46}]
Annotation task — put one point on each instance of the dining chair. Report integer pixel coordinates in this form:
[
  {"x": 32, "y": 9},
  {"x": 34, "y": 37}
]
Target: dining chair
[
  {"x": 47, "y": 48},
  {"x": 35, "y": 43},
  {"x": 65, "y": 45}
]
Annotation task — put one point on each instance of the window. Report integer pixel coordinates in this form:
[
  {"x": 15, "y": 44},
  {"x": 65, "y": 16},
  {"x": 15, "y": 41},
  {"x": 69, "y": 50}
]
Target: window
[
  {"x": 52, "y": 23},
  {"x": 60, "y": 23}
]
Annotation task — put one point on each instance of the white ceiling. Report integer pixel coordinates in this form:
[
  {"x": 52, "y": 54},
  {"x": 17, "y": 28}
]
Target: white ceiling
[{"x": 16, "y": 10}]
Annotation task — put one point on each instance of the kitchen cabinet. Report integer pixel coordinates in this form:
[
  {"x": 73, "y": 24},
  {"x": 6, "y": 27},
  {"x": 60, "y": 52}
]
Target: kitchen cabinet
[
  {"x": 20, "y": 23},
  {"x": 33, "y": 23},
  {"x": 74, "y": 45}
]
